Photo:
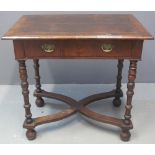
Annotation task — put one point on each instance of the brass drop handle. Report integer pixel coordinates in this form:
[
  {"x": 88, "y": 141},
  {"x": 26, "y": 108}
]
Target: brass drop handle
[
  {"x": 107, "y": 48},
  {"x": 48, "y": 48}
]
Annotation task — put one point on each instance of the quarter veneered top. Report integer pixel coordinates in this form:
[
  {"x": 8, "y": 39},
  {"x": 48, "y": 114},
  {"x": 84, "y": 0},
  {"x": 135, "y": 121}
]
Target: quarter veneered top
[{"x": 78, "y": 26}]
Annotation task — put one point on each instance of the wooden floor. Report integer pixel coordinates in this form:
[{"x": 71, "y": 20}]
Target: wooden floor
[{"x": 77, "y": 129}]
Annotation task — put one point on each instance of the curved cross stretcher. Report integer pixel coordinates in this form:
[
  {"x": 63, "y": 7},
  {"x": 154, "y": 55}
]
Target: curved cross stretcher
[{"x": 76, "y": 106}]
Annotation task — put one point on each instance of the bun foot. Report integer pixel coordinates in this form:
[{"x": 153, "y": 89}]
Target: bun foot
[
  {"x": 40, "y": 102},
  {"x": 31, "y": 134},
  {"x": 125, "y": 135},
  {"x": 116, "y": 102}
]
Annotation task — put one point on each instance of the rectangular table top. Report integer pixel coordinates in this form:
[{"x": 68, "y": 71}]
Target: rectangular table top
[{"x": 78, "y": 26}]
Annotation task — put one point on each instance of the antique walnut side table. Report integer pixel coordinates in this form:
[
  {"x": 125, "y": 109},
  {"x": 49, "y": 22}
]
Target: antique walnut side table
[{"x": 78, "y": 37}]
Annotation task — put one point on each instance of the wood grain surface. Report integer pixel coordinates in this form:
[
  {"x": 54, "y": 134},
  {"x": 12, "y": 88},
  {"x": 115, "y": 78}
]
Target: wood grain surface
[{"x": 78, "y": 26}]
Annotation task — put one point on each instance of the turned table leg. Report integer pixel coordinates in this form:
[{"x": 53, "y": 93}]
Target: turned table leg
[
  {"x": 118, "y": 93},
  {"x": 39, "y": 100},
  {"x": 125, "y": 134},
  {"x": 31, "y": 133}
]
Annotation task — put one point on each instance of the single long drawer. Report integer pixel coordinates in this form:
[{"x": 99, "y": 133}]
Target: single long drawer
[{"x": 112, "y": 49}]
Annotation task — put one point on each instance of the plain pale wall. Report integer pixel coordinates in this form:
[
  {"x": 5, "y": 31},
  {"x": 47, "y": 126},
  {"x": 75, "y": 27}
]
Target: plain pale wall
[{"x": 75, "y": 71}]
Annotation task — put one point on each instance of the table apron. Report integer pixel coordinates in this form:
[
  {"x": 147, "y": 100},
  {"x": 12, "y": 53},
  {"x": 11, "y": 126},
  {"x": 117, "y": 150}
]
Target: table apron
[{"x": 78, "y": 49}]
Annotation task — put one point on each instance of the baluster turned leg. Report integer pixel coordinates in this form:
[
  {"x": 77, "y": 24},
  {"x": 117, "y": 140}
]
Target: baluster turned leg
[
  {"x": 118, "y": 93},
  {"x": 125, "y": 134},
  {"x": 39, "y": 100},
  {"x": 31, "y": 133}
]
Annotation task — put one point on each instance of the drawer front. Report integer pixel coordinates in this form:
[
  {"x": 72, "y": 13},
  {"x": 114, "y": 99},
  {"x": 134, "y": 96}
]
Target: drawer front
[
  {"x": 96, "y": 48},
  {"x": 65, "y": 49},
  {"x": 42, "y": 48}
]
